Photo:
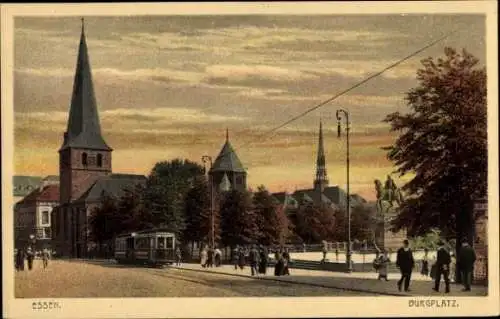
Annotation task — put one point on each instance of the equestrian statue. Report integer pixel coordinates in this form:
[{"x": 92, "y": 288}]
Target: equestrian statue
[{"x": 388, "y": 193}]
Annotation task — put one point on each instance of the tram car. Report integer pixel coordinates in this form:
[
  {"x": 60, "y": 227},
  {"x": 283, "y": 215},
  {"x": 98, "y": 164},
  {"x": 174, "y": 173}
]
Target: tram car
[{"x": 148, "y": 247}]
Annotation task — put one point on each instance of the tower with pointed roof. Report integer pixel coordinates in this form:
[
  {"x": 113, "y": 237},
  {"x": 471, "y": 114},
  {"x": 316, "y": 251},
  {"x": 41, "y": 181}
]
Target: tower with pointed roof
[
  {"x": 227, "y": 169},
  {"x": 321, "y": 180},
  {"x": 84, "y": 155}
]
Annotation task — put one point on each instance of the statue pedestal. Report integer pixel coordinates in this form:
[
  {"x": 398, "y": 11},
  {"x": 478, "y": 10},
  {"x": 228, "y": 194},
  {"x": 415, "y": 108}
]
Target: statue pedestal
[{"x": 384, "y": 237}]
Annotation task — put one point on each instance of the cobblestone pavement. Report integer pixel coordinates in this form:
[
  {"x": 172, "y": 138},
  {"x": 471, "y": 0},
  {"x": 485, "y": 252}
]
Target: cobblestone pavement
[
  {"x": 98, "y": 279},
  {"x": 365, "y": 282}
]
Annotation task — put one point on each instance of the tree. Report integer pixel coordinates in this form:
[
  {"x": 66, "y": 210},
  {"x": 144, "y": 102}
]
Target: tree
[
  {"x": 105, "y": 221},
  {"x": 239, "y": 224},
  {"x": 198, "y": 215},
  {"x": 315, "y": 223},
  {"x": 165, "y": 191},
  {"x": 363, "y": 222},
  {"x": 443, "y": 142},
  {"x": 273, "y": 222},
  {"x": 131, "y": 208}
]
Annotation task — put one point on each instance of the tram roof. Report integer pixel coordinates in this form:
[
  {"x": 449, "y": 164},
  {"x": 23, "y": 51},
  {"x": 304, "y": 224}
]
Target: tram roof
[{"x": 148, "y": 231}]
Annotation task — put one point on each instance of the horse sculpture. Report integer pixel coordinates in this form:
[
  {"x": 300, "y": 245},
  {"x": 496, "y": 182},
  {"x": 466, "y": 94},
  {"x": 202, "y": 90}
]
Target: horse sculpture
[{"x": 388, "y": 193}]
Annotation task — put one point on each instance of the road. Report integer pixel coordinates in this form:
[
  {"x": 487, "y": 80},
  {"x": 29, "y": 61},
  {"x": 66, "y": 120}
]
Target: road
[{"x": 99, "y": 279}]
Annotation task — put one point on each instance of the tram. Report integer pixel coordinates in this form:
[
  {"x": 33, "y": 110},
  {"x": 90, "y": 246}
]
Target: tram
[{"x": 155, "y": 247}]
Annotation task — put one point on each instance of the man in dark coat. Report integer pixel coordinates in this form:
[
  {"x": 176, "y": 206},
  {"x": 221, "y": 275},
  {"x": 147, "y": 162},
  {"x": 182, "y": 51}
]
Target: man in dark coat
[
  {"x": 210, "y": 257},
  {"x": 405, "y": 263},
  {"x": 254, "y": 260},
  {"x": 30, "y": 256},
  {"x": 263, "y": 260},
  {"x": 20, "y": 259},
  {"x": 442, "y": 267},
  {"x": 466, "y": 259}
]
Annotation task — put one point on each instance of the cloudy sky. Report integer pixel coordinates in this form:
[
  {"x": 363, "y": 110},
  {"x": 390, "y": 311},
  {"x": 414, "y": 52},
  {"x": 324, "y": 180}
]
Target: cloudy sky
[{"x": 170, "y": 86}]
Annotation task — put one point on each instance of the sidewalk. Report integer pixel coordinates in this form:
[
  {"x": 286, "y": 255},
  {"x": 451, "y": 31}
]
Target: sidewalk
[{"x": 361, "y": 281}]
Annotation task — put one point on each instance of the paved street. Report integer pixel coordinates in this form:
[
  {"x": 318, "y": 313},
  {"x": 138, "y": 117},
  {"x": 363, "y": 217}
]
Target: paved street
[
  {"x": 98, "y": 279},
  {"x": 365, "y": 282}
]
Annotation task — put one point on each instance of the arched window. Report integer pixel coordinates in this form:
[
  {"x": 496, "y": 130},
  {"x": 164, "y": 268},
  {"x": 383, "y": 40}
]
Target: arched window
[
  {"x": 84, "y": 159},
  {"x": 99, "y": 160}
]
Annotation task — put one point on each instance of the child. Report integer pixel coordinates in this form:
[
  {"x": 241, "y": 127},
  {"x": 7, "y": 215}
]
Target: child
[{"x": 383, "y": 263}]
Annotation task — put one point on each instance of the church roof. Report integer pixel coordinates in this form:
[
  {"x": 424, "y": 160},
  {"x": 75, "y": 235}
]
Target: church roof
[
  {"x": 84, "y": 129},
  {"x": 113, "y": 186},
  {"x": 227, "y": 160}
]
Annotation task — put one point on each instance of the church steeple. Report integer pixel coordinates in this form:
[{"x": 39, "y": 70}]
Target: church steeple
[
  {"x": 321, "y": 180},
  {"x": 84, "y": 129}
]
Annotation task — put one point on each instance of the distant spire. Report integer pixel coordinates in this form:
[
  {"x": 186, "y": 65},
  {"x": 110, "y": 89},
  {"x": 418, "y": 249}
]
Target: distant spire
[
  {"x": 227, "y": 134},
  {"x": 84, "y": 128},
  {"x": 321, "y": 180}
]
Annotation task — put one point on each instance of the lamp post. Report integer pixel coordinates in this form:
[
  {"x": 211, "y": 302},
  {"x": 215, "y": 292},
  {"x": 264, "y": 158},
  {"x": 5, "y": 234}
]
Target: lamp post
[
  {"x": 32, "y": 241},
  {"x": 205, "y": 159},
  {"x": 339, "y": 114}
]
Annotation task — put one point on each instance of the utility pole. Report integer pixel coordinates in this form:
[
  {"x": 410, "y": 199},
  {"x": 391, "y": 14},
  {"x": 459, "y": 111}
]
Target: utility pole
[
  {"x": 348, "y": 208},
  {"x": 205, "y": 159}
]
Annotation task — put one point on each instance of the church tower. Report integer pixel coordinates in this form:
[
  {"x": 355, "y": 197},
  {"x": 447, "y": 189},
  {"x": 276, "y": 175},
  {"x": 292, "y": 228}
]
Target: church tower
[
  {"x": 84, "y": 155},
  {"x": 228, "y": 170},
  {"x": 321, "y": 180}
]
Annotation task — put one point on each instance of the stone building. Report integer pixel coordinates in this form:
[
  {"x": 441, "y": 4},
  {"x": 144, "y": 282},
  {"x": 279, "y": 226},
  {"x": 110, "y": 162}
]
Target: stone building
[
  {"x": 85, "y": 166},
  {"x": 32, "y": 216}
]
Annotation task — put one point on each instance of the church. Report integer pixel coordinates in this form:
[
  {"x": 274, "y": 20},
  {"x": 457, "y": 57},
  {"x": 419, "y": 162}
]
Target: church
[
  {"x": 85, "y": 166},
  {"x": 321, "y": 193}
]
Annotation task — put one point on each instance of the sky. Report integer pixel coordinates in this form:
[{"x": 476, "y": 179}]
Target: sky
[{"x": 169, "y": 86}]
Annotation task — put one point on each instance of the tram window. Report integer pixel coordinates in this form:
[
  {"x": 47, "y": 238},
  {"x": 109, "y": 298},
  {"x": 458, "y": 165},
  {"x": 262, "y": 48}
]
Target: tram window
[
  {"x": 130, "y": 243},
  {"x": 141, "y": 243},
  {"x": 170, "y": 242},
  {"x": 161, "y": 242}
]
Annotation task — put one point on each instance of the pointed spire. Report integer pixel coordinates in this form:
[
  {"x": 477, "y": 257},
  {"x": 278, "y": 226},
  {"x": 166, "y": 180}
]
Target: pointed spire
[
  {"x": 321, "y": 180},
  {"x": 84, "y": 129},
  {"x": 227, "y": 134}
]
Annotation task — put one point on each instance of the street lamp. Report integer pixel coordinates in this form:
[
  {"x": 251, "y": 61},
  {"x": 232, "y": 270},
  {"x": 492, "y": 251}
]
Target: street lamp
[
  {"x": 339, "y": 118},
  {"x": 205, "y": 159}
]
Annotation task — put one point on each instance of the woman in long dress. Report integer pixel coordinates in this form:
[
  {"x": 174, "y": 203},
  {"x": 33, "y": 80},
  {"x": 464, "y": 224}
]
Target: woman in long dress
[
  {"x": 278, "y": 266},
  {"x": 286, "y": 262},
  {"x": 204, "y": 256},
  {"x": 263, "y": 260},
  {"x": 425, "y": 263},
  {"x": 383, "y": 265}
]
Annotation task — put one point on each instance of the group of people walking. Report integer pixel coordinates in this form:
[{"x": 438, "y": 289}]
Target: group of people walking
[
  {"x": 441, "y": 267},
  {"x": 29, "y": 255},
  {"x": 211, "y": 257}
]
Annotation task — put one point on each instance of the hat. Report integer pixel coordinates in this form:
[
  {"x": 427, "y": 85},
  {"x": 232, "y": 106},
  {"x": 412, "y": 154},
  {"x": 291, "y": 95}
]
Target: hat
[{"x": 440, "y": 243}]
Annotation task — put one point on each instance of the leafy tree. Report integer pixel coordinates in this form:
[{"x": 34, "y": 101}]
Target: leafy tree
[
  {"x": 239, "y": 223},
  {"x": 131, "y": 208},
  {"x": 105, "y": 222},
  {"x": 443, "y": 142},
  {"x": 198, "y": 214},
  {"x": 315, "y": 223},
  {"x": 363, "y": 222},
  {"x": 273, "y": 222},
  {"x": 165, "y": 191}
]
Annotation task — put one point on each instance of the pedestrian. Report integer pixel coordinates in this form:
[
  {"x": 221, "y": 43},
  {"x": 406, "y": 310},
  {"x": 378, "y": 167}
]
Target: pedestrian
[
  {"x": 442, "y": 267},
  {"x": 278, "y": 266},
  {"x": 304, "y": 247},
  {"x": 178, "y": 256},
  {"x": 254, "y": 260},
  {"x": 210, "y": 257},
  {"x": 263, "y": 260},
  {"x": 465, "y": 263},
  {"x": 425, "y": 263},
  {"x": 30, "y": 256},
  {"x": 325, "y": 250},
  {"x": 241, "y": 259},
  {"x": 218, "y": 257},
  {"x": 405, "y": 263},
  {"x": 45, "y": 258},
  {"x": 286, "y": 262},
  {"x": 337, "y": 254},
  {"x": 383, "y": 265},
  {"x": 20, "y": 256},
  {"x": 235, "y": 256},
  {"x": 204, "y": 257}
]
